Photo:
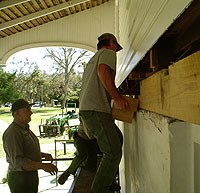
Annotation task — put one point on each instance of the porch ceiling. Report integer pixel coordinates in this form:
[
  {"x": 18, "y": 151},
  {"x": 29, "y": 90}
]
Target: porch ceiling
[{"x": 19, "y": 15}]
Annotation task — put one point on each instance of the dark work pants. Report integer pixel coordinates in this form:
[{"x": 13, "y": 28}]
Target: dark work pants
[
  {"x": 23, "y": 182},
  {"x": 110, "y": 140},
  {"x": 86, "y": 152}
]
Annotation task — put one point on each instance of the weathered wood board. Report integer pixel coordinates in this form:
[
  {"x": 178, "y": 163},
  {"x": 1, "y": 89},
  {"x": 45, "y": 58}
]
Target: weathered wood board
[{"x": 174, "y": 92}]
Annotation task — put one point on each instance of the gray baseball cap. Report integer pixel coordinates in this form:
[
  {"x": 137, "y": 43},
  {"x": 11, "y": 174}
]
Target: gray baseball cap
[{"x": 109, "y": 36}]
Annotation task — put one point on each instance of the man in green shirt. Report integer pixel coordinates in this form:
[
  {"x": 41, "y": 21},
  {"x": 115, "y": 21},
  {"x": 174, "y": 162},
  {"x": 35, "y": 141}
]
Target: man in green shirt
[
  {"x": 98, "y": 88},
  {"x": 23, "y": 151}
]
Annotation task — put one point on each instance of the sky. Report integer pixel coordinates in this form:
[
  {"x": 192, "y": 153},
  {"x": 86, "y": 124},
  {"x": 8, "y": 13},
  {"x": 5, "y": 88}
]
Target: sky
[{"x": 33, "y": 55}]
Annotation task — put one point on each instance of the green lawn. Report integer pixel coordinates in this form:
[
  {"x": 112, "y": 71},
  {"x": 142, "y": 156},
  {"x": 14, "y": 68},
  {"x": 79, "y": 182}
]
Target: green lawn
[{"x": 38, "y": 115}]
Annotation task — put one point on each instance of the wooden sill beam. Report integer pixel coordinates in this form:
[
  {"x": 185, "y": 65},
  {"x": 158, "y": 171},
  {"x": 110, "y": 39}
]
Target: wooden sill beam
[{"x": 174, "y": 92}]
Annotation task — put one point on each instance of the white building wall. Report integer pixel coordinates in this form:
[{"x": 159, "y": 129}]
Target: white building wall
[
  {"x": 153, "y": 153},
  {"x": 185, "y": 157},
  {"x": 161, "y": 155},
  {"x": 79, "y": 30},
  {"x": 146, "y": 161}
]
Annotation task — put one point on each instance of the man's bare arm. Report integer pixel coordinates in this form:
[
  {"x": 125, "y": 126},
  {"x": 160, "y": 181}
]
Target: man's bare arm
[{"x": 104, "y": 73}]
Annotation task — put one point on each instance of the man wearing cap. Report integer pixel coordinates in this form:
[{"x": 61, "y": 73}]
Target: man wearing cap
[
  {"x": 98, "y": 88},
  {"x": 23, "y": 151}
]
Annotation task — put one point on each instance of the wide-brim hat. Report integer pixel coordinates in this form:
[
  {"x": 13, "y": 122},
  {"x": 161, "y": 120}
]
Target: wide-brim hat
[
  {"x": 20, "y": 104},
  {"x": 109, "y": 36}
]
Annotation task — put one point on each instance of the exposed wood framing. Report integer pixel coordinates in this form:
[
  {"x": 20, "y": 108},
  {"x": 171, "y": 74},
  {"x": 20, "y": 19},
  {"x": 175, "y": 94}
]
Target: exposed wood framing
[
  {"x": 153, "y": 59},
  {"x": 187, "y": 40},
  {"x": 174, "y": 92}
]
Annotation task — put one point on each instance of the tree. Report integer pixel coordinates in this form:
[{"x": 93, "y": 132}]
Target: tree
[
  {"x": 74, "y": 87},
  {"x": 33, "y": 84},
  {"x": 8, "y": 90},
  {"x": 29, "y": 80},
  {"x": 66, "y": 61},
  {"x": 62, "y": 81}
]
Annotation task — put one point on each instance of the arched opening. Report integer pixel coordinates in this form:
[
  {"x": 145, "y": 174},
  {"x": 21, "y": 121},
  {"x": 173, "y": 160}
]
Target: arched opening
[
  {"x": 48, "y": 69},
  {"x": 35, "y": 75}
]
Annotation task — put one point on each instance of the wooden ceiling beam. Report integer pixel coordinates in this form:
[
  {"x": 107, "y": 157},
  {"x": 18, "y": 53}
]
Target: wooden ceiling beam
[
  {"x": 11, "y": 3},
  {"x": 40, "y": 13}
]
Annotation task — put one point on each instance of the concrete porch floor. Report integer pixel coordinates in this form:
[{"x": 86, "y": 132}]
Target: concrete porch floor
[{"x": 47, "y": 182}]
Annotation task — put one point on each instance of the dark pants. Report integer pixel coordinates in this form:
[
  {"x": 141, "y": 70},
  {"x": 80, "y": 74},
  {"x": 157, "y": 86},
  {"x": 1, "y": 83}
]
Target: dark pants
[
  {"x": 86, "y": 152},
  {"x": 110, "y": 140},
  {"x": 23, "y": 182}
]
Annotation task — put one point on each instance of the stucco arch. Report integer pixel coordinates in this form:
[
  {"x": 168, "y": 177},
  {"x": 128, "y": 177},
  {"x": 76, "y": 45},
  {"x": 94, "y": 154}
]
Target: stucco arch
[{"x": 44, "y": 44}]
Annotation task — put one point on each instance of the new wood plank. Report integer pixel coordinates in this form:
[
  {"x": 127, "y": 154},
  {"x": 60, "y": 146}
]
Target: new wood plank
[{"x": 175, "y": 92}]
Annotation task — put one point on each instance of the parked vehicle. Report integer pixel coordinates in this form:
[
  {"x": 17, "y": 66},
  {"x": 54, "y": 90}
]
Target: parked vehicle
[
  {"x": 8, "y": 105},
  {"x": 39, "y": 104}
]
